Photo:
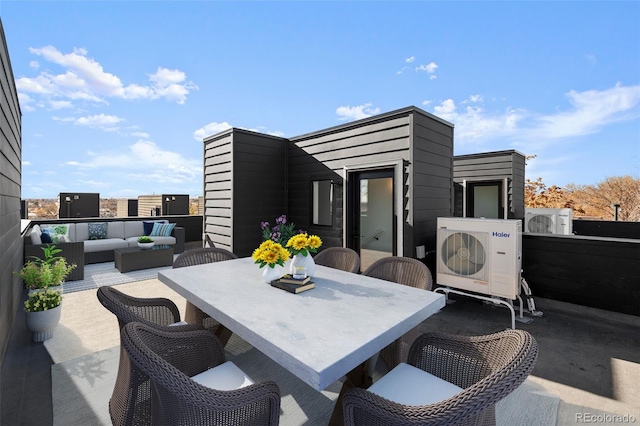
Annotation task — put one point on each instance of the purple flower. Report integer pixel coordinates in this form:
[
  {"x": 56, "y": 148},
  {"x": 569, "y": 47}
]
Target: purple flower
[
  {"x": 282, "y": 219},
  {"x": 264, "y": 225},
  {"x": 275, "y": 236}
]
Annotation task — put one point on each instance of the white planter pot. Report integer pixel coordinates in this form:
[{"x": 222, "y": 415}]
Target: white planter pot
[
  {"x": 271, "y": 274},
  {"x": 145, "y": 246},
  {"x": 41, "y": 324}
]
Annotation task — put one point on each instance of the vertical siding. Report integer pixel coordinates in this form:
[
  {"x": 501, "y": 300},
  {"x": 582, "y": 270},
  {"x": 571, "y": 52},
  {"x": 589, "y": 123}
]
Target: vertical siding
[
  {"x": 432, "y": 180},
  {"x": 325, "y": 154},
  {"x": 10, "y": 194},
  {"x": 495, "y": 166}
]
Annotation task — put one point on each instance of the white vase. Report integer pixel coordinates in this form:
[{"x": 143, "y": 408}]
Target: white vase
[
  {"x": 145, "y": 246},
  {"x": 271, "y": 274},
  {"x": 307, "y": 262},
  {"x": 41, "y": 324}
]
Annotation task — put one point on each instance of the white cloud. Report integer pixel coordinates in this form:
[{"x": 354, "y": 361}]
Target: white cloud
[
  {"x": 34, "y": 64},
  {"x": 26, "y": 163},
  {"x": 141, "y": 135},
  {"x": 429, "y": 69},
  {"x": 427, "y": 102},
  {"x": 25, "y": 102},
  {"x": 84, "y": 78},
  {"x": 350, "y": 113},
  {"x": 410, "y": 59},
  {"x": 60, "y": 104},
  {"x": 210, "y": 129},
  {"x": 150, "y": 162},
  {"x": 588, "y": 113},
  {"x": 107, "y": 123}
]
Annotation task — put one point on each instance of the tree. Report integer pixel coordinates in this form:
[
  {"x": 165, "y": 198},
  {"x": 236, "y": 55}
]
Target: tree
[
  {"x": 598, "y": 200},
  {"x": 537, "y": 195}
]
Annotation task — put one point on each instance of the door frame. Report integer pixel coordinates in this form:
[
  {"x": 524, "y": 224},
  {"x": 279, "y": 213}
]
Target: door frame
[
  {"x": 398, "y": 193},
  {"x": 503, "y": 186}
]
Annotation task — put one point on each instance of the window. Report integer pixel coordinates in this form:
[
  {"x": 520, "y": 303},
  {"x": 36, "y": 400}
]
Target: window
[{"x": 322, "y": 208}]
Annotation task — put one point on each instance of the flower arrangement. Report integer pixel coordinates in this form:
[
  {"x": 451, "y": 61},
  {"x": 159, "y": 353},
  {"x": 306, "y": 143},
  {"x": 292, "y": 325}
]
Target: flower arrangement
[
  {"x": 280, "y": 233},
  {"x": 144, "y": 239},
  {"x": 270, "y": 253},
  {"x": 304, "y": 244},
  {"x": 43, "y": 273},
  {"x": 43, "y": 300}
]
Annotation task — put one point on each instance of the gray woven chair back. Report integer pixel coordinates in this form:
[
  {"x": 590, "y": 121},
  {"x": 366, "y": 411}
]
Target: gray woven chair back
[
  {"x": 154, "y": 311},
  {"x": 208, "y": 241},
  {"x": 125, "y": 406},
  {"x": 170, "y": 359},
  {"x": 487, "y": 368},
  {"x": 401, "y": 270},
  {"x": 341, "y": 258},
  {"x": 201, "y": 256}
]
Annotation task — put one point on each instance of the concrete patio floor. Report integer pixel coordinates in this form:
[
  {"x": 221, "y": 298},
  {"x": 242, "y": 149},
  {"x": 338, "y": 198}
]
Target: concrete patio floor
[{"x": 588, "y": 357}]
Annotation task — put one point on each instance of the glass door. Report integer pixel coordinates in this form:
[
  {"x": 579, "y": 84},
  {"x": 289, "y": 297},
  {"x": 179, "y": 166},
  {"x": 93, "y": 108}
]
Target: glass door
[{"x": 372, "y": 219}]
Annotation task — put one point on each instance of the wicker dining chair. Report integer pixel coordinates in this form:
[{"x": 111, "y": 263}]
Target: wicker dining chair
[
  {"x": 171, "y": 360},
  {"x": 199, "y": 256},
  {"x": 126, "y": 407},
  {"x": 406, "y": 271},
  {"x": 342, "y": 258},
  {"x": 486, "y": 368}
]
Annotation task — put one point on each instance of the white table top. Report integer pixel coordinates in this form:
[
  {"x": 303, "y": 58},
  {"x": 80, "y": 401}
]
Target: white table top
[{"x": 318, "y": 335}]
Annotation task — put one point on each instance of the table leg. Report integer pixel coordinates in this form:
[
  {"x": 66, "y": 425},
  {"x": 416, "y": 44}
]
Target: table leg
[
  {"x": 359, "y": 377},
  {"x": 224, "y": 334}
]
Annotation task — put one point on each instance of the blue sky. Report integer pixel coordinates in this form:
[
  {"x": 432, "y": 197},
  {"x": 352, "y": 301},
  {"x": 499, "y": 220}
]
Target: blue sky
[{"x": 117, "y": 96}]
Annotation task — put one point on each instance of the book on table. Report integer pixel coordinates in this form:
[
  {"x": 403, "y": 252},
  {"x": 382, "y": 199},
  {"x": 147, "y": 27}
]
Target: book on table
[
  {"x": 290, "y": 280},
  {"x": 293, "y": 288}
]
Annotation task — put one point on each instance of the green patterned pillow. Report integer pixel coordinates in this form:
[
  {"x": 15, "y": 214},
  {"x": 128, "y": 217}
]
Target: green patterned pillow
[
  {"x": 97, "y": 231},
  {"x": 58, "y": 233}
]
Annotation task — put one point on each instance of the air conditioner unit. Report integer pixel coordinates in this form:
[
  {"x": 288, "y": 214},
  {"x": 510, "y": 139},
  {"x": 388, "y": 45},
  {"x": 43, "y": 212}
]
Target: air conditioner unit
[
  {"x": 480, "y": 255},
  {"x": 548, "y": 221}
]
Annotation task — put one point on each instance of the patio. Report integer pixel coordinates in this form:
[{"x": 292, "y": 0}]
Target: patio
[{"x": 589, "y": 362}]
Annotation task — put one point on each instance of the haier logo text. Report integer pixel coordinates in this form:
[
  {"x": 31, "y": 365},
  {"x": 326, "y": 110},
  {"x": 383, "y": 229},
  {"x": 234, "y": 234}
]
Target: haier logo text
[{"x": 500, "y": 234}]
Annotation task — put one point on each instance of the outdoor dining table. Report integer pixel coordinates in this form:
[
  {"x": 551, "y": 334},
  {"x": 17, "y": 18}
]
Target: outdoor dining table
[{"x": 318, "y": 335}]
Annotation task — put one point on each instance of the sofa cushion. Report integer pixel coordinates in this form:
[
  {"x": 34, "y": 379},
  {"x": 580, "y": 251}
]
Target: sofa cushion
[
  {"x": 97, "y": 230},
  {"x": 35, "y": 235},
  {"x": 162, "y": 229},
  {"x": 171, "y": 241},
  {"x": 133, "y": 228},
  {"x": 91, "y": 246},
  {"x": 115, "y": 230}
]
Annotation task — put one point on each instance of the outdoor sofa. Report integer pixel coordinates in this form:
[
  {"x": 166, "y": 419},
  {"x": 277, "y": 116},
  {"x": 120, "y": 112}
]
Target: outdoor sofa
[{"x": 84, "y": 243}]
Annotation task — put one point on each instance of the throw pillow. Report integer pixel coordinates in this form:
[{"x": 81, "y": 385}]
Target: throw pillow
[
  {"x": 46, "y": 237},
  {"x": 58, "y": 233},
  {"x": 148, "y": 227},
  {"x": 162, "y": 229},
  {"x": 97, "y": 231}
]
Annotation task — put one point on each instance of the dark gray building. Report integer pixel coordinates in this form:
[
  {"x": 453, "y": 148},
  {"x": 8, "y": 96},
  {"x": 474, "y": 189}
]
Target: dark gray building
[
  {"x": 489, "y": 184},
  {"x": 78, "y": 204},
  {"x": 10, "y": 193},
  {"x": 376, "y": 185}
]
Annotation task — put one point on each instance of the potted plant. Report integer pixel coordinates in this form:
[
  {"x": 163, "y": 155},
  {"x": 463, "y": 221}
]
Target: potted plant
[
  {"x": 51, "y": 271},
  {"x": 42, "y": 313},
  {"x": 145, "y": 242}
]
